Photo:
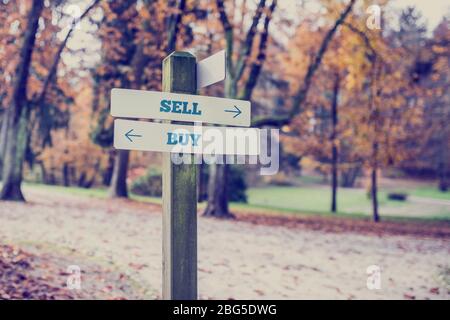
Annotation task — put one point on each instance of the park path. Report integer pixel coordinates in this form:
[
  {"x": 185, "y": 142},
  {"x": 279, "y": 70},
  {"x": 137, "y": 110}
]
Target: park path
[
  {"x": 117, "y": 244},
  {"x": 442, "y": 202}
]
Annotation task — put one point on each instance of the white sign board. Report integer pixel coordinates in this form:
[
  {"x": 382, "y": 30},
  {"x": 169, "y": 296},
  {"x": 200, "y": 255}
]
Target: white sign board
[
  {"x": 211, "y": 69},
  {"x": 164, "y": 137},
  {"x": 126, "y": 103}
]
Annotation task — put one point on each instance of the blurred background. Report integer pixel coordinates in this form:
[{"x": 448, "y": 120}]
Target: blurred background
[{"x": 358, "y": 89}]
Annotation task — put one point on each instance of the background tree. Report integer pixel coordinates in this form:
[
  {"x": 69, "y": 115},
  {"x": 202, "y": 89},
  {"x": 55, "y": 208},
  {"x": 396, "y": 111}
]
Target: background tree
[
  {"x": 429, "y": 64},
  {"x": 391, "y": 119},
  {"x": 22, "y": 97},
  {"x": 133, "y": 61},
  {"x": 73, "y": 159},
  {"x": 18, "y": 111},
  {"x": 236, "y": 65},
  {"x": 307, "y": 40}
]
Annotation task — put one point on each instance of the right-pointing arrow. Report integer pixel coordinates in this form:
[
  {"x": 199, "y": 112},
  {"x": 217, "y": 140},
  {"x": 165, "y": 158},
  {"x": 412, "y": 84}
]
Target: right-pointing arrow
[{"x": 236, "y": 110}]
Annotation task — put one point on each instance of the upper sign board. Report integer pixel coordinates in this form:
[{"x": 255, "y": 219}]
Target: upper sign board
[
  {"x": 211, "y": 69},
  {"x": 126, "y": 103}
]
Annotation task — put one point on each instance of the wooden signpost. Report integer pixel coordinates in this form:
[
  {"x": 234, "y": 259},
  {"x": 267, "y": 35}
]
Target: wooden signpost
[
  {"x": 179, "y": 196},
  {"x": 178, "y": 102}
]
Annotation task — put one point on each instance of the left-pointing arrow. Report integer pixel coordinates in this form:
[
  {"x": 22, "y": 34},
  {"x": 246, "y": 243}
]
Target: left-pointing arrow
[{"x": 130, "y": 134}]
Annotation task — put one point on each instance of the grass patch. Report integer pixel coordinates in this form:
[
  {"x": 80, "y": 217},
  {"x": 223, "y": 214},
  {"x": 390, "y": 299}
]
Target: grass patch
[
  {"x": 351, "y": 202},
  {"x": 93, "y": 192},
  {"x": 311, "y": 200},
  {"x": 429, "y": 192},
  {"x": 101, "y": 193}
]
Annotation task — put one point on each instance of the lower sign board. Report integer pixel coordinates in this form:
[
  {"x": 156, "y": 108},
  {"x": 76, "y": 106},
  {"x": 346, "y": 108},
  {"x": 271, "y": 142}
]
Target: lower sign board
[{"x": 197, "y": 139}]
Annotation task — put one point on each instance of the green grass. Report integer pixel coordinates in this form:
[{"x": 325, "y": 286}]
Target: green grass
[
  {"x": 93, "y": 192},
  {"x": 429, "y": 192},
  {"x": 305, "y": 180},
  {"x": 311, "y": 199},
  {"x": 317, "y": 199}
]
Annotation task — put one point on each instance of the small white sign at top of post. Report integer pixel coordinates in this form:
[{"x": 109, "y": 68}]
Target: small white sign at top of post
[{"x": 211, "y": 69}]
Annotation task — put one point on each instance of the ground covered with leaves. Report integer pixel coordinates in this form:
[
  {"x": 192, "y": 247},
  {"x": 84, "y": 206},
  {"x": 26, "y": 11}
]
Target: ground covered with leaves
[
  {"x": 18, "y": 279},
  {"x": 117, "y": 246}
]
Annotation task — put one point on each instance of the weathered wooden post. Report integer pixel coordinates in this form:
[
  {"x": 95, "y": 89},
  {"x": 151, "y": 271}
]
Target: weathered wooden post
[
  {"x": 179, "y": 196},
  {"x": 181, "y": 77}
]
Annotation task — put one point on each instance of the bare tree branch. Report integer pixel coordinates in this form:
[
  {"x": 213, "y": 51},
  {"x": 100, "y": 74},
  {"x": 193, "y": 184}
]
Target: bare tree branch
[
  {"x": 302, "y": 92},
  {"x": 228, "y": 30},
  {"x": 140, "y": 58},
  {"x": 22, "y": 71},
  {"x": 300, "y": 97},
  {"x": 246, "y": 48},
  {"x": 366, "y": 40},
  {"x": 256, "y": 66},
  {"x": 174, "y": 26},
  {"x": 54, "y": 66}
]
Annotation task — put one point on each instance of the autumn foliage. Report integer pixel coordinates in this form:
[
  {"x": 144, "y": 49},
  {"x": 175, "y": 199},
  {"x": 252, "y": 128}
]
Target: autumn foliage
[{"x": 350, "y": 101}]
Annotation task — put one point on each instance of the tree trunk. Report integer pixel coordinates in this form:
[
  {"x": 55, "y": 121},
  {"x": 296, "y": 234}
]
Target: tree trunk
[
  {"x": 199, "y": 182},
  {"x": 443, "y": 183},
  {"x": 374, "y": 195},
  {"x": 443, "y": 163},
  {"x": 3, "y": 131},
  {"x": 217, "y": 192},
  {"x": 217, "y": 195},
  {"x": 348, "y": 176},
  {"x": 108, "y": 172},
  {"x": 14, "y": 157},
  {"x": 334, "y": 148},
  {"x": 82, "y": 179},
  {"x": 202, "y": 183},
  {"x": 334, "y": 179},
  {"x": 73, "y": 174},
  {"x": 118, "y": 187},
  {"x": 173, "y": 24},
  {"x": 374, "y": 182},
  {"x": 217, "y": 184},
  {"x": 89, "y": 183},
  {"x": 18, "y": 113},
  {"x": 65, "y": 174},
  {"x": 52, "y": 177},
  {"x": 43, "y": 172}
]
